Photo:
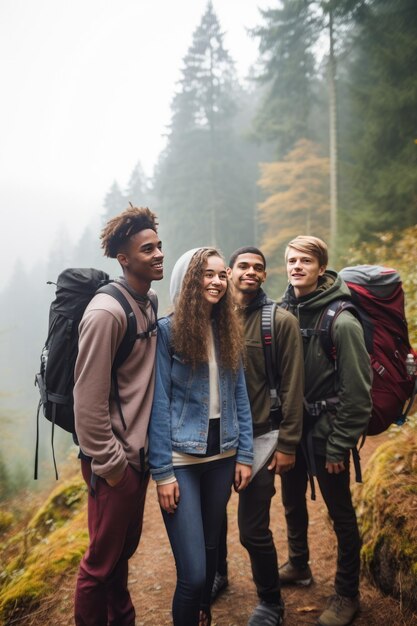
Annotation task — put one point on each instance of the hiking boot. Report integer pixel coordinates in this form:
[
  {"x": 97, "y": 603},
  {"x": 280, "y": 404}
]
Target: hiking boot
[
  {"x": 340, "y": 611},
  {"x": 267, "y": 614},
  {"x": 291, "y": 575},
  {"x": 220, "y": 583}
]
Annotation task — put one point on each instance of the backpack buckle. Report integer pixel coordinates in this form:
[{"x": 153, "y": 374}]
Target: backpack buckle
[{"x": 316, "y": 408}]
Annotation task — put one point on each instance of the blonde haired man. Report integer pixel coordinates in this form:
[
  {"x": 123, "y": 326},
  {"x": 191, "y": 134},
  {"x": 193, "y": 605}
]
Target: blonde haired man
[{"x": 337, "y": 410}]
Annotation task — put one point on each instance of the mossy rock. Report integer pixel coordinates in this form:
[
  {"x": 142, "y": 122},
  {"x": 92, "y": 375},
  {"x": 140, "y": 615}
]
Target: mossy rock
[
  {"x": 63, "y": 503},
  {"x": 386, "y": 505},
  {"x": 45, "y": 567},
  {"x": 52, "y": 545}
]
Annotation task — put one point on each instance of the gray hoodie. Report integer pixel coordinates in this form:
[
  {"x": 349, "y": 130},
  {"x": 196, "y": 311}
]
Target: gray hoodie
[{"x": 178, "y": 273}]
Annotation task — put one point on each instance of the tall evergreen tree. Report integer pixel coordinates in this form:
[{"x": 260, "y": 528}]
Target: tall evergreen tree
[
  {"x": 299, "y": 96},
  {"x": 88, "y": 251},
  {"x": 335, "y": 17},
  {"x": 137, "y": 191},
  {"x": 114, "y": 202},
  {"x": 61, "y": 254},
  {"x": 286, "y": 41},
  {"x": 382, "y": 142},
  {"x": 23, "y": 326},
  {"x": 204, "y": 183}
]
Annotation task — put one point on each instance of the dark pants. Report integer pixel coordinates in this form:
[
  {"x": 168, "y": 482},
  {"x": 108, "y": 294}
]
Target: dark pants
[
  {"x": 115, "y": 516},
  {"x": 222, "y": 549},
  {"x": 256, "y": 536},
  {"x": 193, "y": 530},
  {"x": 335, "y": 489}
]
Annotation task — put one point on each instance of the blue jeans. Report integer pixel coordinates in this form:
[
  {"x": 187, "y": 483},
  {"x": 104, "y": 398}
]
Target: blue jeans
[{"x": 193, "y": 532}]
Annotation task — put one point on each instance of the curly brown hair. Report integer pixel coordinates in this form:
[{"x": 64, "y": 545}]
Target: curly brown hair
[
  {"x": 191, "y": 320},
  {"x": 117, "y": 232}
]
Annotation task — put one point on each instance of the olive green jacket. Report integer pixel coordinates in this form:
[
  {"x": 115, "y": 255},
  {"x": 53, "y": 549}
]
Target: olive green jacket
[
  {"x": 290, "y": 371},
  {"x": 348, "y": 378}
]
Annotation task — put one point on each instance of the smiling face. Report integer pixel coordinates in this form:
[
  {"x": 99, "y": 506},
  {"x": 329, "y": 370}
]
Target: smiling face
[
  {"x": 142, "y": 260},
  {"x": 247, "y": 275},
  {"x": 303, "y": 271},
  {"x": 214, "y": 280}
]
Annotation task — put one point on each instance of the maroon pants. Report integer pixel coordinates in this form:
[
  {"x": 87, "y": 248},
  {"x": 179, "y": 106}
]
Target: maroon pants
[{"x": 115, "y": 516}]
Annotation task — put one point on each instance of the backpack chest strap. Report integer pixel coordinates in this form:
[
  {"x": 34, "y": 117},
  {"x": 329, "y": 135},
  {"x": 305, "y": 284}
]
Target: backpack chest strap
[
  {"x": 311, "y": 332},
  {"x": 315, "y": 409}
]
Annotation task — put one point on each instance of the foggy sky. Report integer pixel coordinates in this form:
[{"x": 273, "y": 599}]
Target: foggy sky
[{"x": 86, "y": 93}]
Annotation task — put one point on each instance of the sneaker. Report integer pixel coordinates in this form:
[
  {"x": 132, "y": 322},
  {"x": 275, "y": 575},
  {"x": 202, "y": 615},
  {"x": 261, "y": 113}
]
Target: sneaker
[
  {"x": 267, "y": 614},
  {"x": 340, "y": 611},
  {"x": 291, "y": 575},
  {"x": 219, "y": 585}
]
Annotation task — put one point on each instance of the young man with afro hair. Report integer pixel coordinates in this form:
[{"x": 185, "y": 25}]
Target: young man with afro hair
[{"x": 113, "y": 442}]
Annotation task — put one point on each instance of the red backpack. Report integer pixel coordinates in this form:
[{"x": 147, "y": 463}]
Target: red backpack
[{"x": 378, "y": 302}]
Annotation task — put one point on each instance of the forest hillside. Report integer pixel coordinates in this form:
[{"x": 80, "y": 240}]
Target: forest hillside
[{"x": 43, "y": 534}]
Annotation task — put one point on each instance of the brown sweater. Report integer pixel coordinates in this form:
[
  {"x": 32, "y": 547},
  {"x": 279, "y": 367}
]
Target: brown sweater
[{"x": 98, "y": 424}]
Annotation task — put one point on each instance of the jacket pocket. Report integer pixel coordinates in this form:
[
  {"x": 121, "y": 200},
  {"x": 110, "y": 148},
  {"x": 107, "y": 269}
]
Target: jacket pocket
[{"x": 180, "y": 371}]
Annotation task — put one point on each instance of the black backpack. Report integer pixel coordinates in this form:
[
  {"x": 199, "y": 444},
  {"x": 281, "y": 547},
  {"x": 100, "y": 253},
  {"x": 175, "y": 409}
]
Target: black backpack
[{"x": 75, "y": 288}]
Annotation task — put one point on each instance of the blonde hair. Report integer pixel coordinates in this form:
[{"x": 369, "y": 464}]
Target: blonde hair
[{"x": 310, "y": 245}]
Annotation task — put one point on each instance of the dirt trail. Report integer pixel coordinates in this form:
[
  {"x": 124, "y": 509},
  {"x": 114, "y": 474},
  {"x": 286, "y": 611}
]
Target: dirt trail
[
  {"x": 152, "y": 592},
  {"x": 152, "y": 576}
]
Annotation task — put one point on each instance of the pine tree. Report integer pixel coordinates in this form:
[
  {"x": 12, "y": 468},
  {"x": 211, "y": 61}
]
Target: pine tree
[
  {"x": 300, "y": 96},
  {"x": 114, "y": 202},
  {"x": 138, "y": 192},
  {"x": 61, "y": 254},
  {"x": 383, "y": 87},
  {"x": 88, "y": 251},
  {"x": 204, "y": 182},
  {"x": 287, "y": 65}
]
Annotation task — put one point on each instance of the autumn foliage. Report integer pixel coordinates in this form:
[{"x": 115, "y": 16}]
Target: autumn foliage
[{"x": 296, "y": 192}]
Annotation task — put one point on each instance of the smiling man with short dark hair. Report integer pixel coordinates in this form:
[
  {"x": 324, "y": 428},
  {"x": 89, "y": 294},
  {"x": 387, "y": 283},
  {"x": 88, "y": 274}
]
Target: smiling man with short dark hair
[
  {"x": 247, "y": 273},
  {"x": 112, "y": 424}
]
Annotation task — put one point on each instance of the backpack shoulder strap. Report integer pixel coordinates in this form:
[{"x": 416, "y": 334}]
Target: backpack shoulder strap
[
  {"x": 326, "y": 321},
  {"x": 269, "y": 347},
  {"x": 127, "y": 343},
  {"x": 153, "y": 299},
  {"x": 129, "y": 339}
]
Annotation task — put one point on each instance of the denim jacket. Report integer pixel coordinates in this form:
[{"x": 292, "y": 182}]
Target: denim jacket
[{"x": 180, "y": 419}]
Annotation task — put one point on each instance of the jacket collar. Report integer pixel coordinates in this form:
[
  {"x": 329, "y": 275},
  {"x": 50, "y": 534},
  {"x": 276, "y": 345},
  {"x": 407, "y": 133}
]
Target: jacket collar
[{"x": 258, "y": 302}]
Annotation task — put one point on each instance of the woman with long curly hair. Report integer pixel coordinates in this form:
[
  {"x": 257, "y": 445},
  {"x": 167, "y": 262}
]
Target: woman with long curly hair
[{"x": 200, "y": 434}]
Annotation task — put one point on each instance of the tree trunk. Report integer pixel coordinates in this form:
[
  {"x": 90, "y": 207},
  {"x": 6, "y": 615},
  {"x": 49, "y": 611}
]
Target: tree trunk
[{"x": 333, "y": 142}]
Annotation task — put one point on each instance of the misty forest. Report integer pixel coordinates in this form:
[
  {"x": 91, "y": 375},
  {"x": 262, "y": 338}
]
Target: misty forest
[{"x": 320, "y": 139}]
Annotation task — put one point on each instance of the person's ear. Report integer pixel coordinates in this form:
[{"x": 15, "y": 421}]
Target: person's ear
[{"x": 123, "y": 259}]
